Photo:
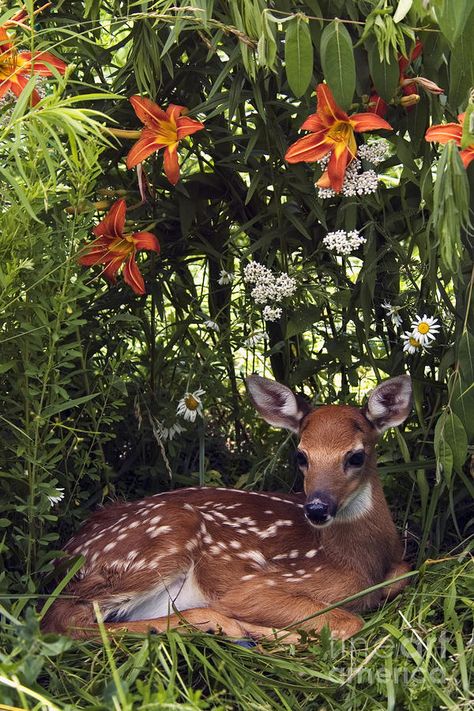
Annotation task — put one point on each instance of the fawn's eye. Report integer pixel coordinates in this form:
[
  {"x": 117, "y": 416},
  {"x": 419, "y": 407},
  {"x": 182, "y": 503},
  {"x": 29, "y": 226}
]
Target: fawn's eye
[
  {"x": 301, "y": 458},
  {"x": 356, "y": 459}
]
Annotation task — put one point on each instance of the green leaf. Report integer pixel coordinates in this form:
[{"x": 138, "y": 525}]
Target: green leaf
[
  {"x": 452, "y": 22},
  {"x": 385, "y": 75},
  {"x": 337, "y": 59},
  {"x": 68, "y": 405},
  {"x": 461, "y": 66},
  {"x": 298, "y": 55},
  {"x": 450, "y": 443}
]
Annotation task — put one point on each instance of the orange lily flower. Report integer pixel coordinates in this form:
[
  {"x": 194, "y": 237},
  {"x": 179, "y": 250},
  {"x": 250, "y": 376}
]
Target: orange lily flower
[
  {"x": 332, "y": 132},
  {"x": 112, "y": 248},
  {"x": 17, "y": 67},
  {"x": 445, "y": 132},
  {"x": 163, "y": 129}
]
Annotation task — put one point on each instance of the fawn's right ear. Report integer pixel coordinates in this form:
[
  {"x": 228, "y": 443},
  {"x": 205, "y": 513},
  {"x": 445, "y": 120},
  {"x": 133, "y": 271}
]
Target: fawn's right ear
[{"x": 276, "y": 403}]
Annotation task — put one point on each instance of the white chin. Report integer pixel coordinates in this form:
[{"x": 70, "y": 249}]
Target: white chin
[{"x": 321, "y": 525}]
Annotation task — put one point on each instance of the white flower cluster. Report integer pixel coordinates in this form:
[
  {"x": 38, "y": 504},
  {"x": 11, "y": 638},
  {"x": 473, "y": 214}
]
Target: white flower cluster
[
  {"x": 268, "y": 287},
  {"x": 343, "y": 242},
  {"x": 272, "y": 313},
  {"x": 374, "y": 152},
  {"x": 392, "y": 313},
  {"x": 356, "y": 182}
]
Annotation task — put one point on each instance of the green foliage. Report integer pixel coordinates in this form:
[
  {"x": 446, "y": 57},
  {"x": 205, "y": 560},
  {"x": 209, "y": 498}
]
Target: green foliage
[{"x": 92, "y": 373}]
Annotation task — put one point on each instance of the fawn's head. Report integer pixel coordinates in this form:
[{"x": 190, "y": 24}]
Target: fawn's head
[{"x": 336, "y": 452}]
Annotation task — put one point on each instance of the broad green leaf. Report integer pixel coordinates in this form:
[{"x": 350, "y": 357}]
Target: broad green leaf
[
  {"x": 450, "y": 442},
  {"x": 337, "y": 59},
  {"x": 303, "y": 319},
  {"x": 385, "y": 75},
  {"x": 461, "y": 66},
  {"x": 298, "y": 55},
  {"x": 452, "y": 19},
  {"x": 462, "y": 391}
]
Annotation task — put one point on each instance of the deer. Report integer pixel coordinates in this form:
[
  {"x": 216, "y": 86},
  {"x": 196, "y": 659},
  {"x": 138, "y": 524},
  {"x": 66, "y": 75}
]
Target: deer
[{"x": 251, "y": 563}]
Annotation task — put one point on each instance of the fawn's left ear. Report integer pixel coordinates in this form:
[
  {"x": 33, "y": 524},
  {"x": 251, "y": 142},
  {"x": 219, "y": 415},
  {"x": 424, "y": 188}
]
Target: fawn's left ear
[{"x": 390, "y": 403}]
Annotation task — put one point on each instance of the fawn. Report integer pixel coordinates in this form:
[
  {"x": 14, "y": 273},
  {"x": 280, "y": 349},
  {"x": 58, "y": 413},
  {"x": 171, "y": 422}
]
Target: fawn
[{"x": 251, "y": 563}]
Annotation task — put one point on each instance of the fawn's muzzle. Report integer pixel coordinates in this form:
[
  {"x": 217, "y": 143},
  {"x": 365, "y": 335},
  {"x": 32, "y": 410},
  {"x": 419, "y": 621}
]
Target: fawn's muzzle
[{"x": 320, "y": 509}]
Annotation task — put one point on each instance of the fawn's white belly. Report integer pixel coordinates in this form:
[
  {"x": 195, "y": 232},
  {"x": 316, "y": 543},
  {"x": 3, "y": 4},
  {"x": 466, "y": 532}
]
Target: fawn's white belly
[{"x": 182, "y": 593}]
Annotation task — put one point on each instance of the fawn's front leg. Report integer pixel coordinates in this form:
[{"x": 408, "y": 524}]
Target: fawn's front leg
[{"x": 275, "y": 607}]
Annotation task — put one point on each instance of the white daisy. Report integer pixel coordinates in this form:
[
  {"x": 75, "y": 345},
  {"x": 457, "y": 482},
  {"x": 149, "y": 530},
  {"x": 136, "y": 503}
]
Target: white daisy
[
  {"x": 425, "y": 329},
  {"x": 412, "y": 344},
  {"x": 212, "y": 325},
  {"x": 190, "y": 406},
  {"x": 56, "y": 498},
  {"x": 392, "y": 312},
  {"x": 225, "y": 277}
]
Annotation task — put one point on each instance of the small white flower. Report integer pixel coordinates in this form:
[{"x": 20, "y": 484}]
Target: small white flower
[
  {"x": 212, "y": 325},
  {"x": 412, "y": 344},
  {"x": 56, "y": 498},
  {"x": 271, "y": 313},
  {"x": 425, "y": 329},
  {"x": 191, "y": 405},
  {"x": 255, "y": 337},
  {"x": 225, "y": 277},
  {"x": 254, "y": 271},
  {"x": 343, "y": 242},
  {"x": 392, "y": 312},
  {"x": 374, "y": 152},
  {"x": 356, "y": 182},
  {"x": 285, "y": 286},
  {"x": 168, "y": 433}
]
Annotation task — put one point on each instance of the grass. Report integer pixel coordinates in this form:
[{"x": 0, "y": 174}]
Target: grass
[{"x": 413, "y": 654}]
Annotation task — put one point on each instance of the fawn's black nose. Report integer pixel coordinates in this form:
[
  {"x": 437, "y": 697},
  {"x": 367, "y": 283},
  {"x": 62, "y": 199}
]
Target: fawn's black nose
[{"x": 320, "y": 508}]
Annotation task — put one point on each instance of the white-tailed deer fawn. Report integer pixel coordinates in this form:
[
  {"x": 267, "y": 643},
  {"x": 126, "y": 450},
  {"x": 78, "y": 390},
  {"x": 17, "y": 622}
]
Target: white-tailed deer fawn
[{"x": 251, "y": 562}]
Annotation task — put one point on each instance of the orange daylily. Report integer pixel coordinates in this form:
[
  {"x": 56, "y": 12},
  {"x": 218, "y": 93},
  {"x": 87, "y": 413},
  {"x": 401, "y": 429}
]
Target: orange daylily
[
  {"x": 445, "y": 132},
  {"x": 332, "y": 132},
  {"x": 17, "y": 67},
  {"x": 163, "y": 129},
  {"x": 114, "y": 248}
]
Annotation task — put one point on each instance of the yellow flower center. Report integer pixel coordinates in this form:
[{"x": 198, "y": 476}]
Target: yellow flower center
[
  {"x": 8, "y": 64},
  {"x": 423, "y": 327},
  {"x": 123, "y": 245},
  {"x": 167, "y": 133},
  {"x": 191, "y": 402},
  {"x": 341, "y": 134},
  {"x": 414, "y": 342}
]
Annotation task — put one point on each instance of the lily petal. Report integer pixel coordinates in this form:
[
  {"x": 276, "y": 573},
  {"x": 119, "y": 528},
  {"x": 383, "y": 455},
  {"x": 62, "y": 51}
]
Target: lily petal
[
  {"x": 337, "y": 168},
  {"x": 187, "y": 126},
  {"x": 146, "y": 240},
  {"x": 170, "y": 163},
  {"x": 132, "y": 276},
  {"x": 173, "y": 112},
  {"x": 327, "y": 107},
  {"x": 467, "y": 155},
  {"x": 368, "y": 122},
  {"x": 308, "y": 149},
  {"x": 113, "y": 223},
  {"x": 147, "y": 144},
  {"x": 37, "y": 62},
  {"x": 147, "y": 111},
  {"x": 444, "y": 132}
]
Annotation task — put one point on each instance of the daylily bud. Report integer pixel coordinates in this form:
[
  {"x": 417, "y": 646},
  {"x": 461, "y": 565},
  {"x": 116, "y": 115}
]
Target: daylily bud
[
  {"x": 427, "y": 84},
  {"x": 410, "y": 100}
]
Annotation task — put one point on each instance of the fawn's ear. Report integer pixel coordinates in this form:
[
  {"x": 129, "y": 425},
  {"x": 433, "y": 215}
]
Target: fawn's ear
[
  {"x": 276, "y": 403},
  {"x": 390, "y": 403}
]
